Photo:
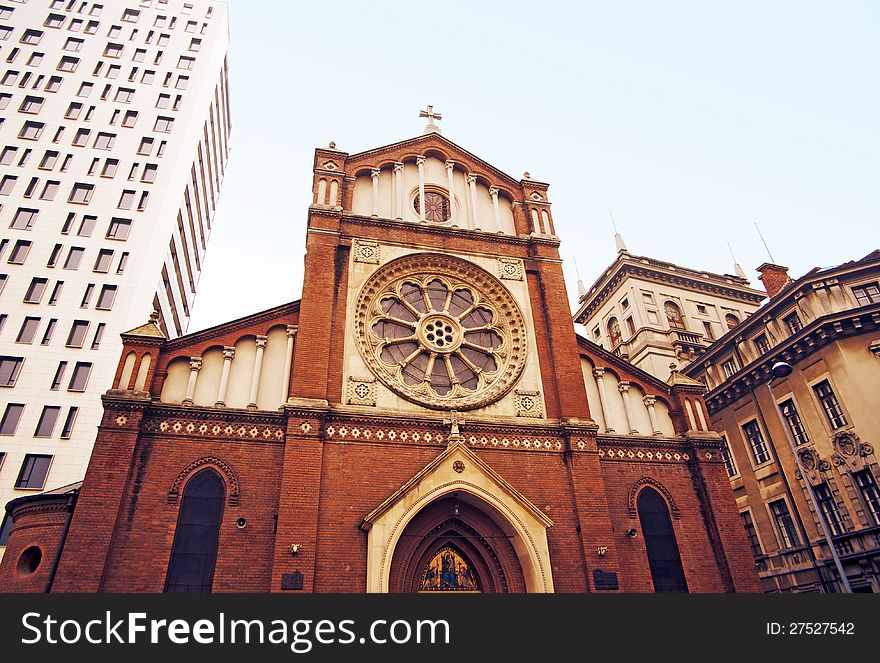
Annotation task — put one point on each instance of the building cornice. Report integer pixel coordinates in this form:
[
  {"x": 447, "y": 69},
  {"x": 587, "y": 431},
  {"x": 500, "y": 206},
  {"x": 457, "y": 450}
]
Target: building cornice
[{"x": 729, "y": 286}]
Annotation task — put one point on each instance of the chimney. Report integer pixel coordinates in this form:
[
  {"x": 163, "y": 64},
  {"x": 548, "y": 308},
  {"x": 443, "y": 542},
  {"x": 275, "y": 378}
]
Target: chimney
[{"x": 774, "y": 277}]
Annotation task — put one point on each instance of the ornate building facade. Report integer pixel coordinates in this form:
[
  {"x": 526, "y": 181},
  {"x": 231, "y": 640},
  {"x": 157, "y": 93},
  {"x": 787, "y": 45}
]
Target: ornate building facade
[
  {"x": 826, "y": 326},
  {"x": 424, "y": 418},
  {"x": 655, "y": 313}
]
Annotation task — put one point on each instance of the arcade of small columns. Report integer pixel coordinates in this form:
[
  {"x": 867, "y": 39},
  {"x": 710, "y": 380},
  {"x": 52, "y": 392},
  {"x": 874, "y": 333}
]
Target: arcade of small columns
[
  {"x": 397, "y": 195},
  {"x": 195, "y": 366},
  {"x": 649, "y": 400}
]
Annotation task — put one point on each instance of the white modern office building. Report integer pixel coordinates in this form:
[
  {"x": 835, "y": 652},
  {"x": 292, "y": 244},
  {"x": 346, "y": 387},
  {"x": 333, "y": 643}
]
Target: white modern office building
[{"x": 114, "y": 138}]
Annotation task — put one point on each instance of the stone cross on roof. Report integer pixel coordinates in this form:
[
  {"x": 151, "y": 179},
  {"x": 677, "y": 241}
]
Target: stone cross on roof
[{"x": 431, "y": 115}]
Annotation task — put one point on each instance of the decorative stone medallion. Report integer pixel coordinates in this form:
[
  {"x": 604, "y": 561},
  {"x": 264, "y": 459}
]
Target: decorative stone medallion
[
  {"x": 361, "y": 391},
  {"x": 510, "y": 269},
  {"x": 366, "y": 251},
  {"x": 528, "y": 403}
]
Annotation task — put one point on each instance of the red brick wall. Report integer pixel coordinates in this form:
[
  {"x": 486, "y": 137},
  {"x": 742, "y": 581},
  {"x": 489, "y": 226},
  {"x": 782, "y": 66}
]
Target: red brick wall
[{"x": 40, "y": 525}]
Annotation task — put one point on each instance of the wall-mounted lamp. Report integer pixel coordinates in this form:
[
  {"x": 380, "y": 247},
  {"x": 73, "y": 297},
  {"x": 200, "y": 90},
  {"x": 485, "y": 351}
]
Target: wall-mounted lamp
[
  {"x": 632, "y": 532},
  {"x": 294, "y": 548},
  {"x": 241, "y": 523},
  {"x": 602, "y": 551}
]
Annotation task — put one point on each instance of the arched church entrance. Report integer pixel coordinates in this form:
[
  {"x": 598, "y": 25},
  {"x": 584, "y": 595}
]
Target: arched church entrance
[{"x": 454, "y": 545}]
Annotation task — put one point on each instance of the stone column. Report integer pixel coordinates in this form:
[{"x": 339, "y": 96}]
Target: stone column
[
  {"x": 652, "y": 414},
  {"x": 450, "y": 171},
  {"x": 398, "y": 194},
  {"x": 420, "y": 162},
  {"x": 472, "y": 187},
  {"x": 599, "y": 374},
  {"x": 494, "y": 193},
  {"x": 195, "y": 365},
  {"x": 623, "y": 388},
  {"x": 288, "y": 360},
  {"x": 228, "y": 354},
  {"x": 374, "y": 173},
  {"x": 255, "y": 377}
]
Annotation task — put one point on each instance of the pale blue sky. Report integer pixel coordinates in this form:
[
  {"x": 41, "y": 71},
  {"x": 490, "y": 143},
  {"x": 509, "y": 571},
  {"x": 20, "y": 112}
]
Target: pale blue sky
[{"x": 691, "y": 120}]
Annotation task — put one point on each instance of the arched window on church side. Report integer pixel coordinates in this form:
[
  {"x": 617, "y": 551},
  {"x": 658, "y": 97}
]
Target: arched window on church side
[
  {"x": 614, "y": 332},
  {"x": 674, "y": 316},
  {"x": 731, "y": 320},
  {"x": 194, "y": 552},
  {"x": 663, "y": 557}
]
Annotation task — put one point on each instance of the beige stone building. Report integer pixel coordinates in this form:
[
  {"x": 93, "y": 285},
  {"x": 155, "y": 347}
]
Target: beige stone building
[
  {"x": 113, "y": 148},
  {"x": 654, "y": 313},
  {"x": 826, "y": 325}
]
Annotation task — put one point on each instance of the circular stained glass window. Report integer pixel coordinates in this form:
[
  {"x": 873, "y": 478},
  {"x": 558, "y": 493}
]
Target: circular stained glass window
[
  {"x": 441, "y": 332},
  {"x": 437, "y": 208}
]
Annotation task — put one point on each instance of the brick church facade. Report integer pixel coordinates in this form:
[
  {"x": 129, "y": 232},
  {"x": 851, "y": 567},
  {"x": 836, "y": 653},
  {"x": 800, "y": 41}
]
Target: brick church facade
[{"x": 424, "y": 418}]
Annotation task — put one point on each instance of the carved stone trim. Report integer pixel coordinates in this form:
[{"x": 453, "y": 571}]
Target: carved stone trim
[
  {"x": 208, "y": 461},
  {"x": 366, "y": 251},
  {"x": 528, "y": 403},
  {"x": 510, "y": 269},
  {"x": 645, "y": 482},
  {"x": 361, "y": 391}
]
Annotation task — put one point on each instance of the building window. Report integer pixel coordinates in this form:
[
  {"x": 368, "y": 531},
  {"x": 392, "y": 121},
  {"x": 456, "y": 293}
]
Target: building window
[
  {"x": 793, "y": 322},
  {"x": 784, "y": 524},
  {"x": 87, "y": 226},
  {"x": 761, "y": 344},
  {"x": 126, "y": 200},
  {"x": 34, "y": 471},
  {"x": 28, "y": 330},
  {"x": 69, "y": 422},
  {"x": 102, "y": 264},
  {"x": 7, "y": 184},
  {"x": 186, "y": 62},
  {"x": 194, "y": 551},
  {"x": 31, "y": 105},
  {"x": 752, "y": 534},
  {"x": 81, "y": 193},
  {"x": 164, "y": 124},
  {"x": 674, "y": 316},
  {"x": 124, "y": 95},
  {"x": 829, "y": 509},
  {"x": 729, "y": 367},
  {"x": 35, "y": 290},
  {"x": 31, "y": 130},
  {"x": 731, "y": 320},
  {"x": 119, "y": 229},
  {"x": 149, "y": 174},
  {"x": 756, "y": 441},
  {"x": 707, "y": 329},
  {"x": 99, "y": 333},
  {"x": 81, "y": 137},
  {"x": 59, "y": 376},
  {"x": 110, "y": 166},
  {"x": 77, "y": 335},
  {"x": 662, "y": 548},
  {"x": 106, "y": 298},
  {"x": 833, "y": 411},
  {"x": 795, "y": 425},
  {"x": 11, "y": 417},
  {"x": 10, "y": 367},
  {"x": 74, "y": 257},
  {"x": 80, "y": 377},
  {"x": 31, "y": 37},
  {"x": 68, "y": 63},
  {"x": 613, "y": 333},
  {"x": 867, "y": 486},
  {"x": 19, "y": 252},
  {"x": 727, "y": 458},
  {"x": 105, "y": 141},
  {"x": 867, "y": 294},
  {"x": 48, "y": 419}
]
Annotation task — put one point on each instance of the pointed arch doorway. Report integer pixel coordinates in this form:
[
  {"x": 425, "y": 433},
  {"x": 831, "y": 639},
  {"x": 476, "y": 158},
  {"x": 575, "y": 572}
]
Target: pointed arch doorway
[
  {"x": 454, "y": 546},
  {"x": 495, "y": 537}
]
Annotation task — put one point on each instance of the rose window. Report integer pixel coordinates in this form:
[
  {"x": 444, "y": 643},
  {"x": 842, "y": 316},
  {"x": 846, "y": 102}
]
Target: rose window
[
  {"x": 436, "y": 207},
  {"x": 441, "y": 332}
]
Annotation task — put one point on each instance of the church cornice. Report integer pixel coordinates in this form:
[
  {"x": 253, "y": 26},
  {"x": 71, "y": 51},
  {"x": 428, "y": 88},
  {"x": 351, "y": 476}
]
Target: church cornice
[
  {"x": 432, "y": 229},
  {"x": 210, "y": 333}
]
